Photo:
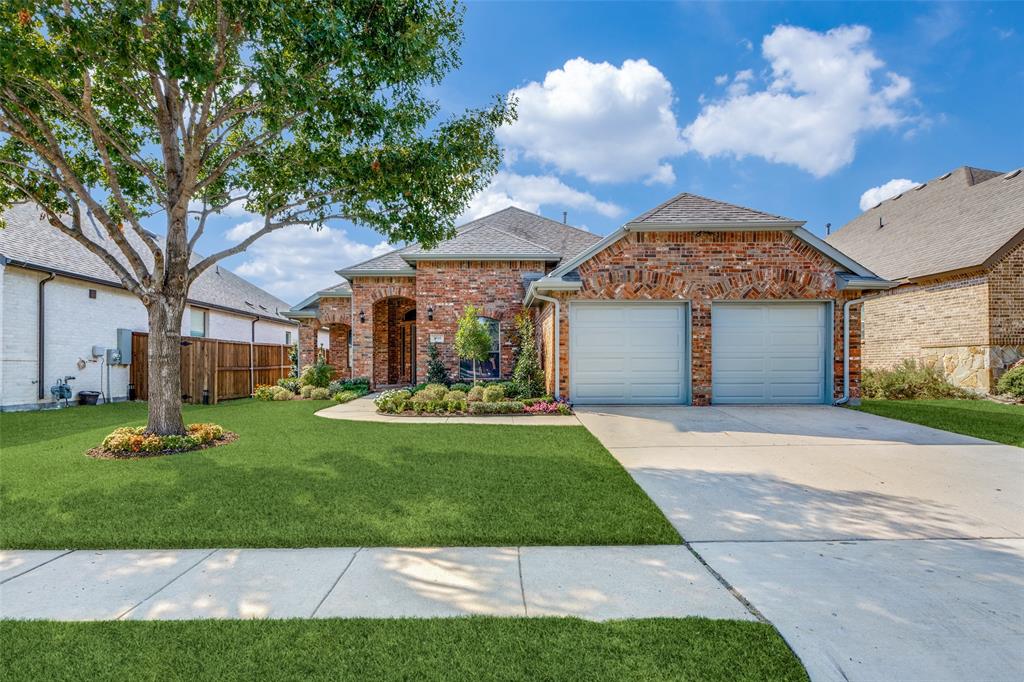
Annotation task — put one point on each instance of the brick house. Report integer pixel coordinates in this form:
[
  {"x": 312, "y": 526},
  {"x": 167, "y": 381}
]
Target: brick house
[
  {"x": 955, "y": 245},
  {"x": 695, "y": 301}
]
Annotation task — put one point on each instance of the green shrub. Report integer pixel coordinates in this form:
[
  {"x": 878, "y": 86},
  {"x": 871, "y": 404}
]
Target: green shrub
[
  {"x": 437, "y": 373},
  {"x": 434, "y": 391},
  {"x": 417, "y": 388},
  {"x": 392, "y": 401},
  {"x": 319, "y": 394},
  {"x": 278, "y": 393},
  {"x": 475, "y": 395},
  {"x": 461, "y": 387},
  {"x": 317, "y": 375},
  {"x": 527, "y": 376},
  {"x": 290, "y": 383},
  {"x": 533, "y": 401},
  {"x": 306, "y": 391},
  {"x": 456, "y": 405},
  {"x": 264, "y": 392},
  {"x": 1012, "y": 381},
  {"x": 494, "y": 393},
  {"x": 500, "y": 407},
  {"x": 455, "y": 395},
  {"x": 909, "y": 381},
  {"x": 345, "y": 396}
]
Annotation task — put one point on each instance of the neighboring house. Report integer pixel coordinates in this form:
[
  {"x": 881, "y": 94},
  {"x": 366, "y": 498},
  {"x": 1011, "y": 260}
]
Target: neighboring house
[
  {"x": 58, "y": 301},
  {"x": 696, "y": 301},
  {"x": 956, "y": 247}
]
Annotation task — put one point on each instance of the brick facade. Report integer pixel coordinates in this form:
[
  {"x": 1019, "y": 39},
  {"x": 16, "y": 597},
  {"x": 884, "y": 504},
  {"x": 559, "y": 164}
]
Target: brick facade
[
  {"x": 449, "y": 286},
  {"x": 697, "y": 267},
  {"x": 968, "y": 325},
  {"x": 703, "y": 267}
]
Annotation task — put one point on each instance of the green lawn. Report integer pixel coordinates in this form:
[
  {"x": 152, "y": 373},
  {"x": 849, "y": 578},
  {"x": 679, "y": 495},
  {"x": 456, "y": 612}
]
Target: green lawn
[
  {"x": 406, "y": 649},
  {"x": 978, "y": 418},
  {"x": 296, "y": 480}
]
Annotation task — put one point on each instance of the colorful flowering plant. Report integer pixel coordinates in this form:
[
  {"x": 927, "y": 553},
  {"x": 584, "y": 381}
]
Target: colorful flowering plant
[{"x": 135, "y": 439}]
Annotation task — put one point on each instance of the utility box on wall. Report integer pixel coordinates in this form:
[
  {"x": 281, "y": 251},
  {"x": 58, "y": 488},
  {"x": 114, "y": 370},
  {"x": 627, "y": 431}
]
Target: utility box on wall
[{"x": 124, "y": 346}]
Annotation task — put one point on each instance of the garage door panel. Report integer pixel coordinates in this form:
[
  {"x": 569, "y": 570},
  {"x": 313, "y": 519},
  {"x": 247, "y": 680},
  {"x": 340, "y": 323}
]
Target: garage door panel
[
  {"x": 769, "y": 352},
  {"x": 628, "y": 353},
  {"x": 599, "y": 315}
]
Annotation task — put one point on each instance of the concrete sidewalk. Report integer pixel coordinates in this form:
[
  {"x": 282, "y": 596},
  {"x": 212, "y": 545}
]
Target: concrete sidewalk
[{"x": 590, "y": 582}]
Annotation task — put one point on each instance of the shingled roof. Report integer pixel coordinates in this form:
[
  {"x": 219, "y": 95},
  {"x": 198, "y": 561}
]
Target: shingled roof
[
  {"x": 691, "y": 210},
  {"x": 30, "y": 241},
  {"x": 958, "y": 221},
  {"x": 511, "y": 233}
]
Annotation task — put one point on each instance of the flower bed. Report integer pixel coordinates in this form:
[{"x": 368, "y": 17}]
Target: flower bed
[
  {"x": 133, "y": 441},
  {"x": 437, "y": 400},
  {"x": 293, "y": 389}
]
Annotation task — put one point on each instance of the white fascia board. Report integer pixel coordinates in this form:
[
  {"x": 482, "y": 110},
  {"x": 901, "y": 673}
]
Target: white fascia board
[
  {"x": 349, "y": 274},
  {"x": 833, "y": 253},
  {"x": 549, "y": 284},
  {"x": 748, "y": 225}
]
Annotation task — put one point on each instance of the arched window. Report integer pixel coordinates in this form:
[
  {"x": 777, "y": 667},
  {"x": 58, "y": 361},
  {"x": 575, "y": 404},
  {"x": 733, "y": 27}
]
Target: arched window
[{"x": 491, "y": 367}]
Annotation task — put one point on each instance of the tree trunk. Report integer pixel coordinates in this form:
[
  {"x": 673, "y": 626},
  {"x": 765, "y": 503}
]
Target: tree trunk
[{"x": 165, "y": 367}]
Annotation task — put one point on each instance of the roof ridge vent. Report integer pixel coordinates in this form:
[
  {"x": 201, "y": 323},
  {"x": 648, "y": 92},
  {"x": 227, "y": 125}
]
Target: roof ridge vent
[
  {"x": 943, "y": 177},
  {"x": 1012, "y": 174}
]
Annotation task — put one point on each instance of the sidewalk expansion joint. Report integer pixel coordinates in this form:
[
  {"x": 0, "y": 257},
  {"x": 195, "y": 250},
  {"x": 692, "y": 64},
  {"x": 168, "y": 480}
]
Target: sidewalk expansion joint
[
  {"x": 168, "y": 584},
  {"x": 336, "y": 581},
  {"x": 29, "y": 570},
  {"x": 522, "y": 585},
  {"x": 727, "y": 585}
]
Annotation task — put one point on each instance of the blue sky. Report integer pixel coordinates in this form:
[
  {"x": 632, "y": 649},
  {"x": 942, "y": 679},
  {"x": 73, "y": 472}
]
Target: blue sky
[{"x": 795, "y": 109}]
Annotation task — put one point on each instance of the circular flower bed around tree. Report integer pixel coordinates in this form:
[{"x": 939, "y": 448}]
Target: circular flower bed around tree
[{"x": 131, "y": 442}]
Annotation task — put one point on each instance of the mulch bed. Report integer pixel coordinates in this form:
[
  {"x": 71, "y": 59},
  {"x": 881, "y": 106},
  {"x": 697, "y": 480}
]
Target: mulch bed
[{"x": 103, "y": 453}]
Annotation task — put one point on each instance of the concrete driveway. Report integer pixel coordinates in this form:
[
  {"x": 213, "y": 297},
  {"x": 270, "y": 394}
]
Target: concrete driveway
[{"x": 881, "y": 550}]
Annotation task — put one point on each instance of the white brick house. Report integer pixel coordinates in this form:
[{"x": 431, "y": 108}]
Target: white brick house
[{"x": 83, "y": 306}]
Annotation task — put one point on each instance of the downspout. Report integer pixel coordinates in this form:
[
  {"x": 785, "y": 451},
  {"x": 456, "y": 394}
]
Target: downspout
[
  {"x": 41, "y": 338},
  {"x": 252, "y": 357},
  {"x": 846, "y": 350},
  {"x": 558, "y": 348}
]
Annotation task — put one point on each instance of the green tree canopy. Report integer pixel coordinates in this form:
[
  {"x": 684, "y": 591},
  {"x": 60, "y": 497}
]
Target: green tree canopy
[
  {"x": 472, "y": 337},
  {"x": 303, "y": 111}
]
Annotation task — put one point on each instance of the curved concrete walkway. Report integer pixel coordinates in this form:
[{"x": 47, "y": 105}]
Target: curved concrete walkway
[{"x": 363, "y": 410}]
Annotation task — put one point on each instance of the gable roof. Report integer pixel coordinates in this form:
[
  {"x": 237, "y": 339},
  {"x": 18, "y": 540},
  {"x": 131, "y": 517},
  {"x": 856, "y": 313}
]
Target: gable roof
[
  {"x": 311, "y": 305},
  {"x": 32, "y": 242},
  {"x": 482, "y": 242},
  {"x": 510, "y": 233},
  {"x": 692, "y": 210},
  {"x": 958, "y": 221}
]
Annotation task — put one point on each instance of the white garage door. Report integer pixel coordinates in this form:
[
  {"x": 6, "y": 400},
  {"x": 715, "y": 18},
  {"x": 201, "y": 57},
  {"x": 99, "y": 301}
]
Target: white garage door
[
  {"x": 628, "y": 353},
  {"x": 768, "y": 353}
]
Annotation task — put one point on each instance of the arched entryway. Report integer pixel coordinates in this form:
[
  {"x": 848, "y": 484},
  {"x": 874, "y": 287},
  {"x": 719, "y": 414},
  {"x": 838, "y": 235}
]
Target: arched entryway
[{"x": 394, "y": 341}]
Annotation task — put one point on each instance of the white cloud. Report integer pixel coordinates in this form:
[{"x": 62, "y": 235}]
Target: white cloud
[
  {"x": 530, "y": 192},
  {"x": 876, "y": 195},
  {"x": 293, "y": 262},
  {"x": 722, "y": 79},
  {"x": 822, "y": 96},
  {"x": 602, "y": 122}
]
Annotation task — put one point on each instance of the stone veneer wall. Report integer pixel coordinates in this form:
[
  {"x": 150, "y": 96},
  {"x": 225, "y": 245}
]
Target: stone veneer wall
[
  {"x": 448, "y": 286},
  {"x": 703, "y": 267}
]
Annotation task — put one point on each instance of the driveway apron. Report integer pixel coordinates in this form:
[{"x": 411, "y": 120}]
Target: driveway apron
[{"x": 879, "y": 549}]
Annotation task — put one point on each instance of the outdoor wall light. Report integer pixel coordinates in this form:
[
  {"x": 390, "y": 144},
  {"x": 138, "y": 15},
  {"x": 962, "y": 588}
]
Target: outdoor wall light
[
  {"x": 362, "y": 317},
  {"x": 430, "y": 313}
]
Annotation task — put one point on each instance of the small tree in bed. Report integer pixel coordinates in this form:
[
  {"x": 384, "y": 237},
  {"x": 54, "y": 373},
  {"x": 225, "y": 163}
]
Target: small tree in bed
[{"x": 472, "y": 338}]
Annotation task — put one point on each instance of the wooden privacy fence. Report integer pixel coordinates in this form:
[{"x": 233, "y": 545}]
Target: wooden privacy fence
[{"x": 223, "y": 369}]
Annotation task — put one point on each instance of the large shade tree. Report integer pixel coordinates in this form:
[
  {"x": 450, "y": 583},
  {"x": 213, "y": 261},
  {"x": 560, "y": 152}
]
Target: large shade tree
[{"x": 122, "y": 113}]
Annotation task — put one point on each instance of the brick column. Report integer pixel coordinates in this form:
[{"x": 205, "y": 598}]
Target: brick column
[{"x": 307, "y": 341}]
